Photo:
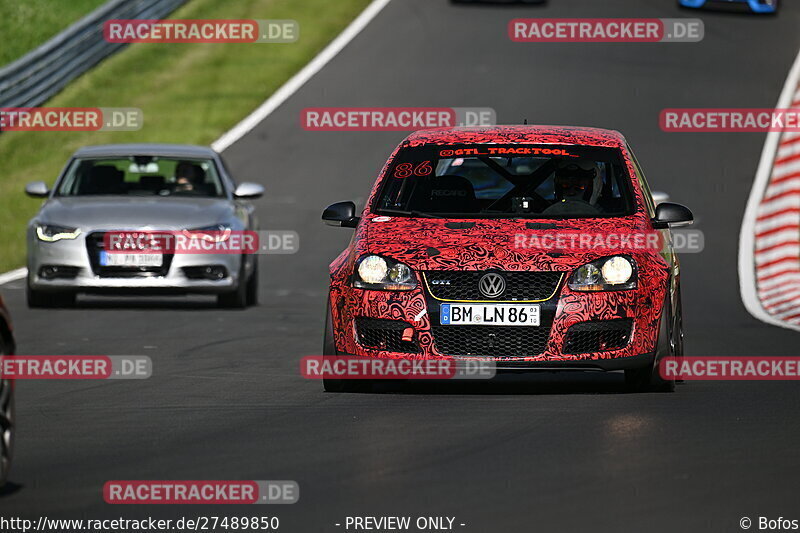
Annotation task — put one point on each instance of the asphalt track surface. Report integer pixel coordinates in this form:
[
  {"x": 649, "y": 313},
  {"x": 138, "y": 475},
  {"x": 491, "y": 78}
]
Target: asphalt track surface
[{"x": 531, "y": 453}]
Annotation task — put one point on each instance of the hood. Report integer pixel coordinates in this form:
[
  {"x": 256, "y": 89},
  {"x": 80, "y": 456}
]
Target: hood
[
  {"x": 105, "y": 212},
  {"x": 504, "y": 244}
]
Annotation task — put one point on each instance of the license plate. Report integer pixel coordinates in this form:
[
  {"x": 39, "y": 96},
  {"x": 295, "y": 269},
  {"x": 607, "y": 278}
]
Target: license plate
[
  {"x": 131, "y": 260},
  {"x": 489, "y": 314}
]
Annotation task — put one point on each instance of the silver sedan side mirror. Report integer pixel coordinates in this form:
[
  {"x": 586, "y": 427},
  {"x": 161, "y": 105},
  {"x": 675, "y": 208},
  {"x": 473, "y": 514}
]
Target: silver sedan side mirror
[
  {"x": 37, "y": 189},
  {"x": 248, "y": 190}
]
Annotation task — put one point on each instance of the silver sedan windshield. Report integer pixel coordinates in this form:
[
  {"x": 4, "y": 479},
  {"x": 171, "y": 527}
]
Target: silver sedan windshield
[{"x": 142, "y": 176}]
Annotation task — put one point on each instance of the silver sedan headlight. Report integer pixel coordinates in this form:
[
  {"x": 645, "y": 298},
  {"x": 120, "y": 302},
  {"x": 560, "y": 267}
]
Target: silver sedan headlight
[
  {"x": 215, "y": 233},
  {"x": 53, "y": 233}
]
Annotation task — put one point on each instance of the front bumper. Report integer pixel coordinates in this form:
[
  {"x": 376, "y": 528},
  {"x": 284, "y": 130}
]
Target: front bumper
[
  {"x": 79, "y": 271},
  {"x": 545, "y": 347}
]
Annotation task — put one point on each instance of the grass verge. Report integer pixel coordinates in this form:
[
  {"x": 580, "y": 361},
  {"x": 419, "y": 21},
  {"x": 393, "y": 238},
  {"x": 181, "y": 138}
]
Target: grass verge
[
  {"x": 26, "y": 24},
  {"x": 189, "y": 93}
]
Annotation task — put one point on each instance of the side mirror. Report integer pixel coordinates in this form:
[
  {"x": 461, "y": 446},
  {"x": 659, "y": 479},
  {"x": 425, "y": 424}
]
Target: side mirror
[
  {"x": 249, "y": 191},
  {"x": 37, "y": 189},
  {"x": 669, "y": 215},
  {"x": 341, "y": 214},
  {"x": 660, "y": 197}
]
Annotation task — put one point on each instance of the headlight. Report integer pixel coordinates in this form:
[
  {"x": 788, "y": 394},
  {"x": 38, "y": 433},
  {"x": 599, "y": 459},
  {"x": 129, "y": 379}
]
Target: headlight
[
  {"x": 607, "y": 274},
  {"x": 617, "y": 271},
  {"x": 376, "y": 272},
  {"x": 53, "y": 233},
  {"x": 215, "y": 233}
]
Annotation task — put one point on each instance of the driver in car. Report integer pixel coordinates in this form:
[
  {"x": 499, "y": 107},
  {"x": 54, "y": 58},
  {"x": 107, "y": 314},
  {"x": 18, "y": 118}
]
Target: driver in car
[
  {"x": 187, "y": 179},
  {"x": 578, "y": 185}
]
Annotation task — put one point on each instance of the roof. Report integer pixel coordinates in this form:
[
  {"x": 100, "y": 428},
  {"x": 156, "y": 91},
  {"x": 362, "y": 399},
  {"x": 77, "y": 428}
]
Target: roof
[
  {"x": 163, "y": 150},
  {"x": 519, "y": 134}
]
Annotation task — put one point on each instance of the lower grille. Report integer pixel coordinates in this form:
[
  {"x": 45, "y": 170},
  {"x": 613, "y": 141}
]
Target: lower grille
[
  {"x": 382, "y": 334},
  {"x": 491, "y": 341},
  {"x": 598, "y": 336}
]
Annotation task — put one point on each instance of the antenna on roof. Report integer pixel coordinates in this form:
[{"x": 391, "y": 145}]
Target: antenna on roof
[{"x": 525, "y": 122}]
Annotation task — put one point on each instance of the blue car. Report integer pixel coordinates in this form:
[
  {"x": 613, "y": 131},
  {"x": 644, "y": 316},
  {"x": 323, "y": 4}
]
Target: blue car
[{"x": 757, "y": 6}]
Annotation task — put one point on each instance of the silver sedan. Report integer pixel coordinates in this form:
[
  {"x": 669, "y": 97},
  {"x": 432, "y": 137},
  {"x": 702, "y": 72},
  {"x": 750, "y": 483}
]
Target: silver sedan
[{"x": 139, "y": 188}]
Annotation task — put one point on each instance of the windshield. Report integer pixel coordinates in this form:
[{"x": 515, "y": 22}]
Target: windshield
[
  {"x": 520, "y": 181},
  {"x": 141, "y": 176}
]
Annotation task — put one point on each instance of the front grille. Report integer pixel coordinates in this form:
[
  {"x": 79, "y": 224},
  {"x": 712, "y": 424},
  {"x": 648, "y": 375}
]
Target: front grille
[
  {"x": 520, "y": 286},
  {"x": 382, "y": 334},
  {"x": 491, "y": 341},
  {"x": 94, "y": 245},
  {"x": 598, "y": 336}
]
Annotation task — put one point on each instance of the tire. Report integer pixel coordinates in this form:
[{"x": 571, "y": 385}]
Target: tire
[
  {"x": 49, "y": 299},
  {"x": 677, "y": 331},
  {"x": 7, "y": 423},
  {"x": 252, "y": 284},
  {"x": 237, "y": 298},
  {"x": 328, "y": 350},
  {"x": 648, "y": 379}
]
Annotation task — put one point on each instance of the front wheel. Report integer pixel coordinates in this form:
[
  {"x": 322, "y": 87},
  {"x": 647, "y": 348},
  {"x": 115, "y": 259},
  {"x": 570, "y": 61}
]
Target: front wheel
[
  {"x": 237, "y": 298},
  {"x": 252, "y": 284},
  {"x": 7, "y": 423},
  {"x": 329, "y": 350},
  {"x": 670, "y": 343}
]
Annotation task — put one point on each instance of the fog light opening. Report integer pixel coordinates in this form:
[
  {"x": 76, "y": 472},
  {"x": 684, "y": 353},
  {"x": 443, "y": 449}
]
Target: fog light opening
[
  {"x": 49, "y": 272},
  {"x": 215, "y": 272}
]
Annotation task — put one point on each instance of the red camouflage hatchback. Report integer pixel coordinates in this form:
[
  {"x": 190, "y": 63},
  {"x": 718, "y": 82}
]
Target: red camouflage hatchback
[{"x": 534, "y": 247}]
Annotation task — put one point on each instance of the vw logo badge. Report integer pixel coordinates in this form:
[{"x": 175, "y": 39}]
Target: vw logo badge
[{"x": 492, "y": 285}]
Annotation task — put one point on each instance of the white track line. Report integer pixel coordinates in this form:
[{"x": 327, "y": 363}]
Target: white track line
[
  {"x": 747, "y": 279},
  {"x": 13, "y": 275},
  {"x": 299, "y": 79},
  {"x": 279, "y": 97}
]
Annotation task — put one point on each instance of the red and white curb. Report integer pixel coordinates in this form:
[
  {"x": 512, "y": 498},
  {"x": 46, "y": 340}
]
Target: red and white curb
[{"x": 769, "y": 243}]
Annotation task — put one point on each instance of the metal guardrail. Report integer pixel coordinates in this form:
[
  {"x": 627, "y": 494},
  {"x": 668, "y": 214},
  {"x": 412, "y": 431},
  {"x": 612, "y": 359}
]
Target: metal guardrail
[{"x": 43, "y": 72}]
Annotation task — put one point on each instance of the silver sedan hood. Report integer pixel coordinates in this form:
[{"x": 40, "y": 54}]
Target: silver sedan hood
[{"x": 118, "y": 212}]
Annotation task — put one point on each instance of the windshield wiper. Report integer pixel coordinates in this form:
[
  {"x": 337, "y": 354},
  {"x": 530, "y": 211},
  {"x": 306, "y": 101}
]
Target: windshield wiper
[{"x": 416, "y": 214}]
